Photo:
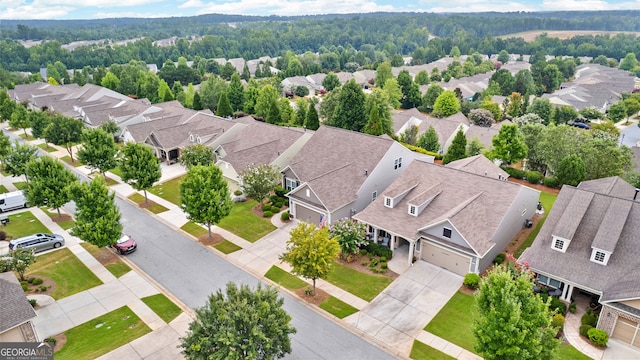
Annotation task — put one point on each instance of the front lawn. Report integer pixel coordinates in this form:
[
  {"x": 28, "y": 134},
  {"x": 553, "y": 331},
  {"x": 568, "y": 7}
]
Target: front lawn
[
  {"x": 284, "y": 278},
  {"x": 227, "y": 247},
  {"x": 66, "y": 270},
  {"x": 568, "y": 352},
  {"x": 116, "y": 171},
  {"x": 337, "y": 307},
  {"x": 362, "y": 285},
  {"x": 153, "y": 207},
  {"x": 66, "y": 225},
  {"x": 103, "y": 334},
  {"x": 421, "y": 351},
  {"x": 3, "y": 189},
  {"x": 162, "y": 306},
  {"x": 244, "y": 223},
  {"x": 23, "y": 224},
  {"x": 20, "y": 185},
  {"x": 117, "y": 267},
  {"x": 169, "y": 190},
  {"x": 75, "y": 162},
  {"x": 455, "y": 321},
  {"x": 194, "y": 229},
  {"x": 47, "y": 148}
]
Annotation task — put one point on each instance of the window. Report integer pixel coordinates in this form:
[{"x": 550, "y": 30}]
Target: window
[
  {"x": 397, "y": 163},
  {"x": 559, "y": 244},
  {"x": 374, "y": 195},
  {"x": 599, "y": 256},
  {"x": 308, "y": 193},
  {"x": 290, "y": 184},
  {"x": 388, "y": 202},
  {"x": 412, "y": 210},
  {"x": 446, "y": 233},
  {"x": 191, "y": 138}
]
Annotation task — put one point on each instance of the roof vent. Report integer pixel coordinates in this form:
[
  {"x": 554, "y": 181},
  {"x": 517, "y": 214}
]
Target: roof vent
[{"x": 366, "y": 173}]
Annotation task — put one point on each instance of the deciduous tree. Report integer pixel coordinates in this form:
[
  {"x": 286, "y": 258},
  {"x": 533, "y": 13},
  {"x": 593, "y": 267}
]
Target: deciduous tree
[
  {"x": 331, "y": 81},
  {"x": 429, "y": 140},
  {"x": 259, "y": 180},
  {"x": 204, "y": 195},
  {"x": 197, "y": 154},
  {"x": 98, "y": 150},
  {"x": 509, "y": 145},
  {"x": 140, "y": 168},
  {"x": 50, "y": 184},
  {"x": 19, "y": 261},
  {"x": 241, "y": 324},
  {"x": 446, "y": 104},
  {"x": 310, "y": 251},
  {"x": 571, "y": 170},
  {"x": 64, "y": 131},
  {"x": 15, "y": 162}
]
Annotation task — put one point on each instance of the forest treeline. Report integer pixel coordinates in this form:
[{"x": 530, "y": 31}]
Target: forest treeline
[{"x": 343, "y": 41}]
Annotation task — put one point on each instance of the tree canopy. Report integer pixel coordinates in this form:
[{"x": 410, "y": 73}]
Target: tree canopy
[
  {"x": 98, "y": 150},
  {"x": 51, "y": 182},
  {"x": 140, "y": 168},
  {"x": 97, "y": 218},
  {"x": 509, "y": 145},
  {"x": 258, "y": 180}
]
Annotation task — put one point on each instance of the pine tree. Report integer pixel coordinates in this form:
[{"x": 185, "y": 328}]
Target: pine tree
[
  {"x": 312, "y": 122},
  {"x": 429, "y": 140},
  {"x": 458, "y": 148},
  {"x": 374, "y": 125},
  {"x": 224, "y": 107}
]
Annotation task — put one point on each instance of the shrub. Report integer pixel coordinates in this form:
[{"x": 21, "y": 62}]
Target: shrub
[
  {"x": 471, "y": 281},
  {"x": 383, "y": 265},
  {"x": 377, "y": 249},
  {"x": 551, "y": 182},
  {"x": 364, "y": 263},
  {"x": 280, "y": 191},
  {"x": 33, "y": 302},
  {"x": 558, "y": 306},
  {"x": 499, "y": 259},
  {"x": 37, "y": 281},
  {"x": 284, "y": 216},
  {"x": 383, "y": 259},
  {"x": 267, "y": 214},
  {"x": 308, "y": 291},
  {"x": 43, "y": 288},
  {"x": 266, "y": 207},
  {"x": 589, "y": 319},
  {"x": 51, "y": 340},
  {"x": 25, "y": 285},
  {"x": 30, "y": 280},
  {"x": 3, "y": 235},
  {"x": 363, "y": 252},
  {"x": 373, "y": 263},
  {"x": 557, "y": 321},
  {"x": 286, "y": 202},
  {"x": 275, "y": 209},
  {"x": 516, "y": 173},
  {"x": 534, "y": 177},
  {"x": 598, "y": 337},
  {"x": 584, "y": 330},
  {"x": 237, "y": 192},
  {"x": 572, "y": 308}
]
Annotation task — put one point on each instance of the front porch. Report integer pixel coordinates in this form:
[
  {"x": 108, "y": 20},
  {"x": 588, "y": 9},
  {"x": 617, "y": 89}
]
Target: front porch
[{"x": 403, "y": 250}]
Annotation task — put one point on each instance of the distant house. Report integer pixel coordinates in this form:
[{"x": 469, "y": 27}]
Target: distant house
[
  {"x": 16, "y": 313},
  {"x": 445, "y": 128},
  {"x": 589, "y": 246},
  {"x": 479, "y": 165},
  {"x": 451, "y": 218},
  {"x": 337, "y": 173}
]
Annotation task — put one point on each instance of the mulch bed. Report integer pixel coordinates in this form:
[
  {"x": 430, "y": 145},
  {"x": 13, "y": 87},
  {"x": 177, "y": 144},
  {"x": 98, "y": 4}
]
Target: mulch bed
[
  {"x": 522, "y": 235},
  {"x": 61, "y": 339},
  {"x": 356, "y": 264},
  {"x": 146, "y": 204},
  {"x": 62, "y": 218},
  {"x": 48, "y": 283},
  {"x": 535, "y": 186},
  {"x": 316, "y": 299},
  {"x": 210, "y": 241}
]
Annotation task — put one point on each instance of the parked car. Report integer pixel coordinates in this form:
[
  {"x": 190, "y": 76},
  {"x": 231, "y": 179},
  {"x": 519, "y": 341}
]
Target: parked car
[
  {"x": 125, "y": 245},
  {"x": 582, "y": 125},
  {"x": 12, "y": 200},
  {"x": 37, "y": 242}
]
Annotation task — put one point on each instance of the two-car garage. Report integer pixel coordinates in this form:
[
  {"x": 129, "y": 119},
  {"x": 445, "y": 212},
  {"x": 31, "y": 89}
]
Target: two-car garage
[
  {"x": 446, "y": 259},
  {"x": 627, "y": 331}
]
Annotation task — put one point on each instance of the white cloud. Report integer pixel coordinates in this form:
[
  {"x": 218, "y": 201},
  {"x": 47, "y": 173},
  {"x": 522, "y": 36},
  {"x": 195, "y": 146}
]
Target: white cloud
[
  {"x": 292, "y": 7},
  {"x": 191, "y": 4},
  {"x": 94, "y": 3},
  {"x": 24, "y": 11}
]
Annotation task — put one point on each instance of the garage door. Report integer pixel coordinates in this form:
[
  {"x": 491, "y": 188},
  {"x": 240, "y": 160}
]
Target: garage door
[
  {"x": 627, "y": 331},
  {"x": 306, "y": 214},
  {"x": 445, "y": 259}
]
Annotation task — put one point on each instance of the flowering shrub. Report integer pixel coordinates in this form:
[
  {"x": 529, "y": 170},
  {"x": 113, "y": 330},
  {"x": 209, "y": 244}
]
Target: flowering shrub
[{"x": 350, "y": 234}]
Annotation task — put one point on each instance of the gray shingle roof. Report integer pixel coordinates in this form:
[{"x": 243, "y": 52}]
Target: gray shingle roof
[
  {"x": 475, "y": 210},
  {"x": 479, "y": 165},
  {"x": 15, "y": 309},
  {"x": 574, "y": 265}
]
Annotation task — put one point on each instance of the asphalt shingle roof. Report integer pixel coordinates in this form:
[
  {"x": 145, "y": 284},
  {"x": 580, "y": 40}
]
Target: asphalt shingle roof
[{"x": 15, "y": 309}]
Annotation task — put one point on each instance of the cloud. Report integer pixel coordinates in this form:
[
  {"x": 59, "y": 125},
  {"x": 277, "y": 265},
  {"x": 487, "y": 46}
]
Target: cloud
[
  {"x": 24, "y": 11},
  {"x": 578, "y": 5},
  {"x": 94, "y": 3},
  {"x": 292, "y": 7},
  {"x": 191, "y": 4}
]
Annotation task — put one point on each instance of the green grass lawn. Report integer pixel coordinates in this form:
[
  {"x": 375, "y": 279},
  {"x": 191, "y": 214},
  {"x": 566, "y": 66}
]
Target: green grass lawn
[
  {"x": 284, "y": 278},
  {"x": 118, "y": 268},
  {"x": 75, "y": 163},
  {"x": 103, "y": 334},
  {"x": 194, "y": 229},
  {"x": 568, "y": 352},
  {"x": 162, "y": 306},
  {"x": 63, "y": 224},
  {"x": 47, "y": 148},
  {"x": 227, "y": 247},
  {"x": 26, "y": 136},
  {"x": 20, "y": 185},
  {"x": 23, "y": 224},
  {"x": 3, "y": 189},
  {"x": 116, "y": 171},
  {"x": 547, "y": 200},
  {"x": 157, "y": 208},
  {"x": 364, "y": 286},
  {"x": 69, "y": 273},
  {"x": 337, "y": 307},
  {"x": 455, "y": 321},
  {"x": 244, "y": 223},
  {"x": 422, "y": 351},
  {"x": 169, "y": 190}
]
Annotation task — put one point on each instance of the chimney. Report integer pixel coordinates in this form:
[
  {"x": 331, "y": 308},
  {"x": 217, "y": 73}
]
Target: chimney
[{"x": 636, "y": 194}]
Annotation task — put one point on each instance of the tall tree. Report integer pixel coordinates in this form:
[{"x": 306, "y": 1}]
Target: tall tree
[
  {"x": 267, "y": 96},
  {"x": 204, "y": 195},
  {"x": 312, "y": 122},
  {"x": 429, "y": 98},
  {"x": 513, "y": 322},
  {"x": 617, "y": 112},
  {"x": 331, "y": 81},
  {"x": 410, "y": 135},
  {"x": 572, "y": 170},
  {"x": 98, "y": 150},
  {"x": 97, "y": 215},
  {"x": 15, "y": 162},
  {"x": 236, "y": 93},
  {"x": 20, "y": 119},
  {"x": 64, "y": 131},
  {"x": 39, "y": 121},
  {"x": 393, "y": 92},
  {"x": 197, "y": 154},
  {"x": 383, "y": 73},
  {"x": 629, "y": 62},
  {"x": 5, "y": 146},
  {"x": 509, "y": 145},
  {"x": 543, "y": 108},
  {"x": 140, "y": 168},
  {"x": 374, "y": 124},
  {"x": 429, "y": 140},
  {"x": 50, "y": 184},
  {"x": 349, "y": 112},
  {"x": 258, "y": 181},
  {"x": 224, "y": 106},
  {"x": 301, "y": 112},
  {"x": 310, "y": 252},
  {"x": 446, "y": 104},
  {"x": 458, "y": 148},
  {"x": 243, "y": 324}
]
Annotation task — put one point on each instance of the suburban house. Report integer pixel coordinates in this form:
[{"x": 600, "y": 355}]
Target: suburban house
[
  {"x": 338, "y": 172},
  {"x": 589, "y": 246},
  {"x": 16, "y": 312},
  {"x": 446, "y": 128},
  {"x": 449, "y": 217},
  {"x": 255, "y": 142},
  {"x": 479, "y": 165}
]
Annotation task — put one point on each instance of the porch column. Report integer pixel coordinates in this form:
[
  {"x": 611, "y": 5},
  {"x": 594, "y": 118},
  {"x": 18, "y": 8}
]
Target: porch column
[
  {"x": 375, "y": 235},
  {"x": 412, "y": 248},
  {"x": 392, "y": 243},
  {"x": 567, "y": 292}
]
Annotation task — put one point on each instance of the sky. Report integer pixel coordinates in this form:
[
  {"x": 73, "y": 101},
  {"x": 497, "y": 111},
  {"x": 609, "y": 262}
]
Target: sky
[{"x": 96, "y": 9}]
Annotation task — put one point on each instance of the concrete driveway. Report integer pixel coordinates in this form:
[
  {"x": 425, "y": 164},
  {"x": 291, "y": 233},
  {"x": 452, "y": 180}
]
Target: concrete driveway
[{"x": 402, "y": 310}]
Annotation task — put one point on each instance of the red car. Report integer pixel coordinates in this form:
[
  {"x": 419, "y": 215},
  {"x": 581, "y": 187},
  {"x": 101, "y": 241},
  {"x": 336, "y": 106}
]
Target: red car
[{"x": 125, "y": 245}]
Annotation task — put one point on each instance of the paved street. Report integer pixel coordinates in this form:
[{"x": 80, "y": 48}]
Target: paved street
[{"x": 191, "y": 273}]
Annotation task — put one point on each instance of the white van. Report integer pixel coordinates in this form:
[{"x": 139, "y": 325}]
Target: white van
[{"x": 12, "y": 200}]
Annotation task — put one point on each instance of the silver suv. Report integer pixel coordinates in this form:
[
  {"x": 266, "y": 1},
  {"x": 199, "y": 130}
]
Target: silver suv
[{"x": 37, "y": 242}]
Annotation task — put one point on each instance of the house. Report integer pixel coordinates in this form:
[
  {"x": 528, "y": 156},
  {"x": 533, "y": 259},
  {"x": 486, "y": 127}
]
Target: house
[
  {"x": 449, "y": 217},
  {"x": 16, "y": 312},
  {"x": 479, "y": 165},
  {"x": 445, "y": 128},
  {"x": 589, "y": 245},
  {"x": 338, "y": 172}
]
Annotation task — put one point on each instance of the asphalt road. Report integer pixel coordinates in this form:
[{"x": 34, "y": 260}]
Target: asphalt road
[{"x": 191, "y": 273}]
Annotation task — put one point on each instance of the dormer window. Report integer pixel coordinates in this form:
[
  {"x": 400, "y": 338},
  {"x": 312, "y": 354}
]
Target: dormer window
[
  {"x": 412, "y": 210},
  {"x": 191, "y": 138},
  {"x": 600, "y": 256},
  {"x": 397, "y": 163},
  {"x": 388, "y": 202},
  {"x": 199, "y": 140},
  {"x": 560, "y": 244}
]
